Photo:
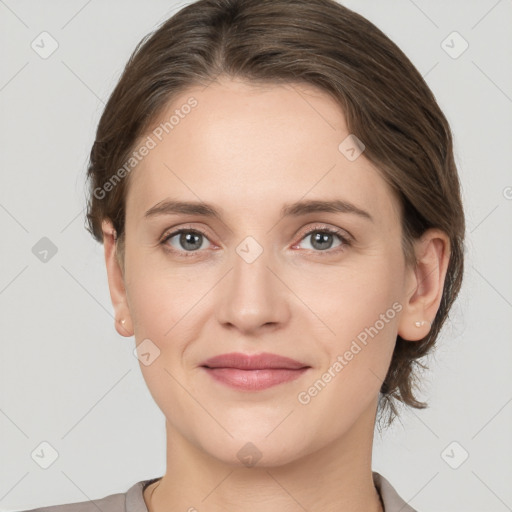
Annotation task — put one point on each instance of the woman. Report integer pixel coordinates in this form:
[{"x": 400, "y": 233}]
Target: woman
[{"x": 275, "y": 189}]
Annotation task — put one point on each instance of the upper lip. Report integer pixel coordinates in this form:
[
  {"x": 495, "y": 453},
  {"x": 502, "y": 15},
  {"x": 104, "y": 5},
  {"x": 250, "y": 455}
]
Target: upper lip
[{"x": 252, "y": 361}]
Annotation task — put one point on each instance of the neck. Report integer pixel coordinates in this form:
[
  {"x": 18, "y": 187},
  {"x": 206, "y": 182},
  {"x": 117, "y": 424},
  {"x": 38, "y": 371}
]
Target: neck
[{"x": 336, "y": 478}]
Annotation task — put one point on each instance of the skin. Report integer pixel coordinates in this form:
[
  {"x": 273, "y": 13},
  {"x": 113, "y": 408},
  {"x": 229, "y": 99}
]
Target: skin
[{"x": 248, "y": 150}]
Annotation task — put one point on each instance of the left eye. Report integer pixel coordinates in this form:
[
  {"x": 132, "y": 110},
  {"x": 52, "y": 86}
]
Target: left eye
[{"x": 322, "y": 239}]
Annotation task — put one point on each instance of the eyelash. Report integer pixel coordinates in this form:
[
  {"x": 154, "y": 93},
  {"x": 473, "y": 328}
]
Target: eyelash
[{"x": 345, "y": 242}]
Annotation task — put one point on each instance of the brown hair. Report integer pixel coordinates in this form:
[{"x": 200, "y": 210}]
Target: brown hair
[{"x": 386, "y": 102}]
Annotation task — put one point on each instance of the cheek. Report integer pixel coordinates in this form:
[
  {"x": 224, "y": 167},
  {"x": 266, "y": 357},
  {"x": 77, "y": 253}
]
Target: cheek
[
  {"x": 161, "y": 296},
  {"x": 158, "y": 306},
  {"x": 359, "y": 307},
  {"x": 352, "y": 296},
  {"x": 363, "y": 315}
]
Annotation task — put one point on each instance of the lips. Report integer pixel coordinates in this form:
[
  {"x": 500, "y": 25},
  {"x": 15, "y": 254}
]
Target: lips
[
  {"x": 253, "y": 372},
  {"x": 253, "y": 362}
]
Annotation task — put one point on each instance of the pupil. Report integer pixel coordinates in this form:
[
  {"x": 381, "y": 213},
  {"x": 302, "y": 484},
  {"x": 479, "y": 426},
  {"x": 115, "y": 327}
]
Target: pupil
[
  {"x": 187, "y": 240},
  {"x": 322, "y": 238}
]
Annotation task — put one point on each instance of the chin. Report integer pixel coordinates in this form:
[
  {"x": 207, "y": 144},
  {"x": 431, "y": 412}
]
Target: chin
[{"x": 256, "y": 450}]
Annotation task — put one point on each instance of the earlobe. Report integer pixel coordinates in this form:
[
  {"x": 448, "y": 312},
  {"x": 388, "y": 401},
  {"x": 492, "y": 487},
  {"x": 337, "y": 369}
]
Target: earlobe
[
  {"x": 424, "y": 285},
  {"x": 125, "y": 327},
  {"x": 123, "y": 322}
]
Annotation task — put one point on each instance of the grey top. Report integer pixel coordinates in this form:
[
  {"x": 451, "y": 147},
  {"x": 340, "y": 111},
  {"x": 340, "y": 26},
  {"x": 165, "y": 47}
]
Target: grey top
[{"x": 133, "y": 501}]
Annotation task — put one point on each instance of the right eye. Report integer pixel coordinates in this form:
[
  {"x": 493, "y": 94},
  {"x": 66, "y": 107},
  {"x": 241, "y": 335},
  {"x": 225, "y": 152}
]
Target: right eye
[{"x": 186, "y": 241}]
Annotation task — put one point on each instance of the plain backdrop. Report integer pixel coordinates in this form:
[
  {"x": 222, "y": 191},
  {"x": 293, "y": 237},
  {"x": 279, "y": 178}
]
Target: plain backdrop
[{"x": 68, "y": 379}]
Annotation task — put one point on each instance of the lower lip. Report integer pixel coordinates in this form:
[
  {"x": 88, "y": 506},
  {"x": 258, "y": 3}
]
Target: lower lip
[{"x": 254, "y": 380}]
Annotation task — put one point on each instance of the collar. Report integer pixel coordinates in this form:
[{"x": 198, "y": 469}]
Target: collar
[{"x": 390, "y": 498}]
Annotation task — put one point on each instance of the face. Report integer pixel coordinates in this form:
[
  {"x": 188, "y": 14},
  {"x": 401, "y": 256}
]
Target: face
[{"x": 273, "y": 271}]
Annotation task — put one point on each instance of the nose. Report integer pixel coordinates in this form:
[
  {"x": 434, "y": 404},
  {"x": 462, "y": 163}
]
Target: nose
[{"x": 253, "y": 297}]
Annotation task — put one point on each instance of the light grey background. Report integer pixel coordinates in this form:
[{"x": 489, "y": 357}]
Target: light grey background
[{"x": 69, "y": 379}]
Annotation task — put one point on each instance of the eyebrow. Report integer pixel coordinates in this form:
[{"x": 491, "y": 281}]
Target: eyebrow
[{"x": 170, "y": 207}]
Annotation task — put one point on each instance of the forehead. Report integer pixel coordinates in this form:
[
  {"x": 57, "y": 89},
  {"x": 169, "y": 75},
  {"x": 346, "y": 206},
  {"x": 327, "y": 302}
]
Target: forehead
[{"x": 246, "y": 145}]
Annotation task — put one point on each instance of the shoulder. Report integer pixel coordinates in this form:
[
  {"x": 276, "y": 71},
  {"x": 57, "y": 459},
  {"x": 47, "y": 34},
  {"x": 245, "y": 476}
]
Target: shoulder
[
  {"x": 112, "y": 503},
  {"x": 130, "y": 501},
  {"x": 392, "y": 501}
]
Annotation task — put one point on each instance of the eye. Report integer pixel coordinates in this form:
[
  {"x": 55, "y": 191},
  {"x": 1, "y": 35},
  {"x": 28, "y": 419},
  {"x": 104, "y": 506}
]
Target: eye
[
  {"x": 322, "y": 239},
  {"x": 185, "y": 240}
]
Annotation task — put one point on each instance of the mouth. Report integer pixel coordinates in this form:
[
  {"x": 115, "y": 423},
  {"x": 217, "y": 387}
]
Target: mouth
[{"x": 253, "y": 372}]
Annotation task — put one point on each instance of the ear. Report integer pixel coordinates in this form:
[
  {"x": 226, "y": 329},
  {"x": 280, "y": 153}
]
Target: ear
[
  {"x": 424, "y": 284},
  {"x": 116, "y": 281}
]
